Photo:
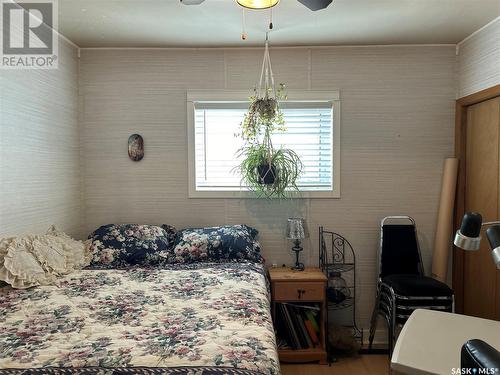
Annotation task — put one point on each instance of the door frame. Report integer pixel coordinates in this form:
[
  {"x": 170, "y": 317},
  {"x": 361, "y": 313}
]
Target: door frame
[{"x": 459, "y": 211}]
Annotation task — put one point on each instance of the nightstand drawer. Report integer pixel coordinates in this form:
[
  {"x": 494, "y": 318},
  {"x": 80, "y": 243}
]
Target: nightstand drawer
[{"x": 298, "y": 291}]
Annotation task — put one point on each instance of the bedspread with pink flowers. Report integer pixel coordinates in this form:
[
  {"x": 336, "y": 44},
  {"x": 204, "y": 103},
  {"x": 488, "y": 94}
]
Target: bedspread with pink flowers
[{"x": 187, "y": 319}]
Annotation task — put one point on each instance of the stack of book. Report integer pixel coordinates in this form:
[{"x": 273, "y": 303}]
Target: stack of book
[{"x": 297, "y": 326}]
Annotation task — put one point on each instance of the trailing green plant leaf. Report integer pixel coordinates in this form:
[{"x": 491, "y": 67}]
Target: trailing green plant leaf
[{"x": 263, "y": 112}]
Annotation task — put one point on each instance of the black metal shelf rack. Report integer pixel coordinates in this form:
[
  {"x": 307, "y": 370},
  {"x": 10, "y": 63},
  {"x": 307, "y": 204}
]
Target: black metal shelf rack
[{"x": 337, "y": 257}]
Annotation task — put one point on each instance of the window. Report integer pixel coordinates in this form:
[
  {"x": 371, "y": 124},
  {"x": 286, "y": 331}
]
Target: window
[{"x": 312, "y": 122}]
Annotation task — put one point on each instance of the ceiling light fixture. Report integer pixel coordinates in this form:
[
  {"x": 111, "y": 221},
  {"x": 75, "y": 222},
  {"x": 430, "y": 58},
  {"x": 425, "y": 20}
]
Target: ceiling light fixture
[{"x": 257, "y": 4}]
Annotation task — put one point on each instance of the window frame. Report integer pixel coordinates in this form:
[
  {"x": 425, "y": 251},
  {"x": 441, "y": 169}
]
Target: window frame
[{"x": 238, "y": 96}]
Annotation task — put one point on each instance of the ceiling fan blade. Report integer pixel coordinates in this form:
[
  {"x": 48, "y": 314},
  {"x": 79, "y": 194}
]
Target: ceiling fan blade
[
  {"x": 192, "y": 2},
  {"x": 315, "y": 4}
]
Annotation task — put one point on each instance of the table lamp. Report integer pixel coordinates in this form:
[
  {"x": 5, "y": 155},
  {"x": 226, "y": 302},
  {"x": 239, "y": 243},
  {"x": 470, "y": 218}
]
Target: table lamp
[
  {"x": 296, "y": 231},
  {"x": 468, "y": 236}
]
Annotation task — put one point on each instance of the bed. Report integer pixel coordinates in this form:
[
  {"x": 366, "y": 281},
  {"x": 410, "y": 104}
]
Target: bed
[{"x": 196, "y": 319}]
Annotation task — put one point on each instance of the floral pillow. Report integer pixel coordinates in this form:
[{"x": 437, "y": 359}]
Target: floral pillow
[
  {"x": 216, "y": 244},
  {"x": 118, "y": 246}
]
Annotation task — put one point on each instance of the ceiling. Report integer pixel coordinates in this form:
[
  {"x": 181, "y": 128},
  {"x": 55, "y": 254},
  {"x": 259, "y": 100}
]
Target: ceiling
[{"x": 218, "y": 23}]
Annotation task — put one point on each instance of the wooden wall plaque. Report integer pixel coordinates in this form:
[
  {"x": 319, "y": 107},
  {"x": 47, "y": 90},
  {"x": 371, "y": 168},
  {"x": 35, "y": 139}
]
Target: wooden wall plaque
[{"x": 135, "y": 147}]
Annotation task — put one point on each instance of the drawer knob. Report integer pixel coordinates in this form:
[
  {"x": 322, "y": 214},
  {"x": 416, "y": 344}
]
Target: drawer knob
[{"x": 300, "y": 292}]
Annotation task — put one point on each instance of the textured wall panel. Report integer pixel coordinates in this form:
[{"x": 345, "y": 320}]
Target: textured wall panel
[
  {"x": 397, "y": 128},
  {"x": 479, "y": 61},
  {"x": 290, "y": 66},
  {"x": 39, "y": 148}
]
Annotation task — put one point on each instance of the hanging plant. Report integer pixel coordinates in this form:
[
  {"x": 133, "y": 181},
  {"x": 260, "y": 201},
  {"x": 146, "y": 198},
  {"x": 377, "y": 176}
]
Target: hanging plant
[
  {"x": 269, "y": 172},
  {"x": 263, "y": 114}
]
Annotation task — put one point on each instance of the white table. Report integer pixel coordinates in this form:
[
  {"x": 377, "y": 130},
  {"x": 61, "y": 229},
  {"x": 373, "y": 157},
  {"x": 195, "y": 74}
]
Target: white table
[{"x": 430, "y": 341}]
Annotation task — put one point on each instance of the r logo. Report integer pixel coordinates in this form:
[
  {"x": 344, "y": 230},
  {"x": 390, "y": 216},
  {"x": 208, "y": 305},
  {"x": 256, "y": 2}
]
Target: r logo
[
  {"x": 27, "y": 28},
  {"x": 29, "y": 37}
]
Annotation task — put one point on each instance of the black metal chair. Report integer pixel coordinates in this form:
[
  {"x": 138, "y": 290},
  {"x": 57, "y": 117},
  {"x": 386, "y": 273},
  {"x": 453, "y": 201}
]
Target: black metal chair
[
  {"x": 402, "y": 286},
  {"x": 477, "y": 355}
]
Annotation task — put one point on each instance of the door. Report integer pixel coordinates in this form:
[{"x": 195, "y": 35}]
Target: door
[{"x": 482, "y": 170}]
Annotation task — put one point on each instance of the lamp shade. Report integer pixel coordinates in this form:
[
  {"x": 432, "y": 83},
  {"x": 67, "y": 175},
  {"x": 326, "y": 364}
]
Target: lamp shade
[
  {"x": 471, "y": 224},
  {"x": 257, "y": 4},
  {"x": 296, "y": 229},
  {"x": 493, "y": 234},
  {"x": 468, "y": 236}
]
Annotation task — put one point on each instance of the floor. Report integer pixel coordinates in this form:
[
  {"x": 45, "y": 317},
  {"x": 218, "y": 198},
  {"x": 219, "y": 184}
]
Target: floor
[{"x": 362, "y": 365}]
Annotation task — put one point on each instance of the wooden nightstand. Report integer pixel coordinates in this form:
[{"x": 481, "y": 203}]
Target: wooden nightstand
[{"x": 299, "y": 287}]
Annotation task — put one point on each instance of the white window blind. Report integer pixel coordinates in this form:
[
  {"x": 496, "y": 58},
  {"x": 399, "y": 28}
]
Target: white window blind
[{"x": 309, "y": 133}]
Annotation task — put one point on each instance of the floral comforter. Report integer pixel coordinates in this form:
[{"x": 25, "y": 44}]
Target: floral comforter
[{"x": 189, "y": 319}]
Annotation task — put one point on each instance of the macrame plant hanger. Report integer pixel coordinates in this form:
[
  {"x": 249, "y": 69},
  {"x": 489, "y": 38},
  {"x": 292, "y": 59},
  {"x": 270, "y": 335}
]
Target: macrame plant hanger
[
  {"x": 265, "y": 89},
  {"x": 266, "y": 82}
]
